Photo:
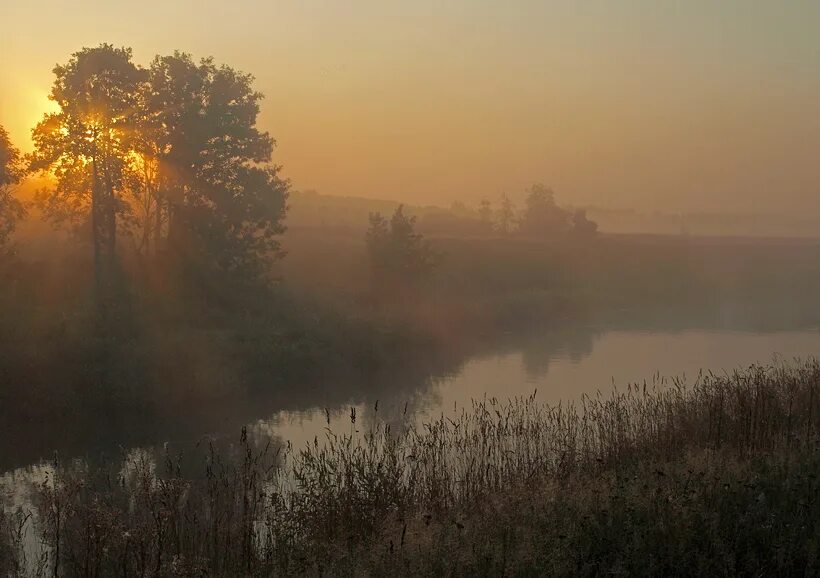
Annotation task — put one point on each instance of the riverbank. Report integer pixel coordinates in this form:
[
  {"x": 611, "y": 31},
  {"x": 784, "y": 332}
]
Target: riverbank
[{"x": 719, "y": 477}]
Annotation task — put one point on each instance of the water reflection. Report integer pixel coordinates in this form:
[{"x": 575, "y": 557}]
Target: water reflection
[
  {"x": 537, "y": 353},
  {"x": 562, "y": 363}
]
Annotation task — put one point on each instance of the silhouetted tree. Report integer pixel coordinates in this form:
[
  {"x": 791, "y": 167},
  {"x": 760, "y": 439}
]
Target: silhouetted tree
[
  {"x": 172, "y": 152},
  {"x": 582, "y": 226},
  {"x": 218, "y": 196},
  {"x": 506, "y": 215},
  {"x": 11, "y": 171},
  {"x": 145, "y": 175},
  {"x": 542, "y": 216},
  {"x": 87, "y": 144},
  {"x": 400, "y": 258}
]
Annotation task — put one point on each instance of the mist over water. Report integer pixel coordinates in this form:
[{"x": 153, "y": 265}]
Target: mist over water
[
  {"x": 552, "y": 311},
  {"x": 562, "y": 366}
]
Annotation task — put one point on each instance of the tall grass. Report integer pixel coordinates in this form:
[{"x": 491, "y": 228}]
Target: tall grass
[{"x": 511, "y": 486}]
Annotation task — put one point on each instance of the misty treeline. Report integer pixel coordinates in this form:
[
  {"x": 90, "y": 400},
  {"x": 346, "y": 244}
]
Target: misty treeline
[
  {"x": 402, "y": 260},
  {"x": 539, "y": 217}
]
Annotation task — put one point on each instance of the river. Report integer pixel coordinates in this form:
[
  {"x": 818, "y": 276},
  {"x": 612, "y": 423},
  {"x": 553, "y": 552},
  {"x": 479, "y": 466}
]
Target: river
[{"x": 555, "y": 365}]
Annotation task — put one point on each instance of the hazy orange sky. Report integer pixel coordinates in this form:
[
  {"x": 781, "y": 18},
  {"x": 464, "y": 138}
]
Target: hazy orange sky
[{"x": 673, "y": 105}]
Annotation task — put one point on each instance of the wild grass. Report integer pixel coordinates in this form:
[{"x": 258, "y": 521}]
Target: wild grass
[{"x": 719, "y": 477}]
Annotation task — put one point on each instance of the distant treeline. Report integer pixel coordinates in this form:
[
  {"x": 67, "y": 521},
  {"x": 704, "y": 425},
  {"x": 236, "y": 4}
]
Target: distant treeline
[
  {"x": 313, "y": 209},
  {"x": 540, "y": 216}
]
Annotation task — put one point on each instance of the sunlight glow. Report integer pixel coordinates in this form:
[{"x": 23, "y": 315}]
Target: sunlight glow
[{"x": 36, "y": 106}]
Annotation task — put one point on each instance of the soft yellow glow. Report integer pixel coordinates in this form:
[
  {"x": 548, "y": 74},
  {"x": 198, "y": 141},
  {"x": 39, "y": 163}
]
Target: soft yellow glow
[
  {"x": 31, "y": 110},
  {"x": 673, "y": 106}
]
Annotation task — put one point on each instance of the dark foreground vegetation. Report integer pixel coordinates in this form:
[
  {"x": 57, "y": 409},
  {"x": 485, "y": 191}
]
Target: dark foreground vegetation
[{"x": 718, "y": 478}]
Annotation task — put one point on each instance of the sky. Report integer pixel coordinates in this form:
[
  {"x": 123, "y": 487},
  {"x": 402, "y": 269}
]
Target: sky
[{"x": 649, "y": 104}]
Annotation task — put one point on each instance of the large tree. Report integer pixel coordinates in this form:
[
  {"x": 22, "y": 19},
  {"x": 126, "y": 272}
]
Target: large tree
[
  {"x": 542, "y": 216},
  {"x": 11, "y": 171},
  {"x": 218, "y": 195},
  {"x": 171, "y": 153},
  {"x": 87, "y": 145}
]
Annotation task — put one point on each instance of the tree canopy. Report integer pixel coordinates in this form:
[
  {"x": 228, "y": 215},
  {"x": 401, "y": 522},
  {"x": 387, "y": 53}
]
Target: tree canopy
[
  {"x": 169, "y": 154},
  {"x": 400, "y": 258},
  {"x": 542, "y": 217},
  {"x": 11, "y": 171},
  {"x": 220, "y": 194},
  {"x": 87, "y": 144}
]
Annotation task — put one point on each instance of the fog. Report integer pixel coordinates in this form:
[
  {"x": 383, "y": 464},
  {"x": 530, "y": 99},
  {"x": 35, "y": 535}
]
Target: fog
[{"x": 257, "y": 323}]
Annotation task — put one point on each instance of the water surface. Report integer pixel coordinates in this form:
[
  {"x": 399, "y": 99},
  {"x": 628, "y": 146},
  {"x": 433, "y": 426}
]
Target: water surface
[{"x": 560, "y": 364}]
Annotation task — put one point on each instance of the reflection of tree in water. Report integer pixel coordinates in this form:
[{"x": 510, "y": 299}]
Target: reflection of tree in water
[{"x": 538, "y": 350}]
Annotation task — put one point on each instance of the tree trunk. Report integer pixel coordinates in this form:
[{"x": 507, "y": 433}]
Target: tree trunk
[{"x": 95, "y": 219}]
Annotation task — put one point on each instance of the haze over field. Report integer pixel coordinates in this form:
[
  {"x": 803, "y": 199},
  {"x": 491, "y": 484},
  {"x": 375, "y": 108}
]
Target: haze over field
[
  {"x": 485, "y": 288},
  {"x": 680, "y": 106}
]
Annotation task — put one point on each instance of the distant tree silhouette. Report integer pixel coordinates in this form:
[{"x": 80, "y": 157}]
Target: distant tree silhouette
[
  {"x": 86, "y": 145},
  {"x": 506, "y": 215},
  {"x": 582, "y": 227},
  {"x": 400, "y": 258},
  {"x": 542, "y": 216},
  {"x": 11, "y": 171}
]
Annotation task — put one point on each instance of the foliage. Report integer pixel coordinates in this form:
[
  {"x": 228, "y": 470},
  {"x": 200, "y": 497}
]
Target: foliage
[
  {"x": 542, "y": 216},
  {"x": 582, "y": 227},
  {"x": 11, "y": 171},
  {"x": 170, "y": 153},
  {"x": 222, "y": 197},
  {"x": 400, "y": 258},
  {"x": 86, "y": 145}
]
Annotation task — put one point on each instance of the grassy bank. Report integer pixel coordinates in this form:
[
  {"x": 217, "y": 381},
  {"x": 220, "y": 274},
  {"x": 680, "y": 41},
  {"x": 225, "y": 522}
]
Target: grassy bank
[{"x": 717, "y": 478}]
